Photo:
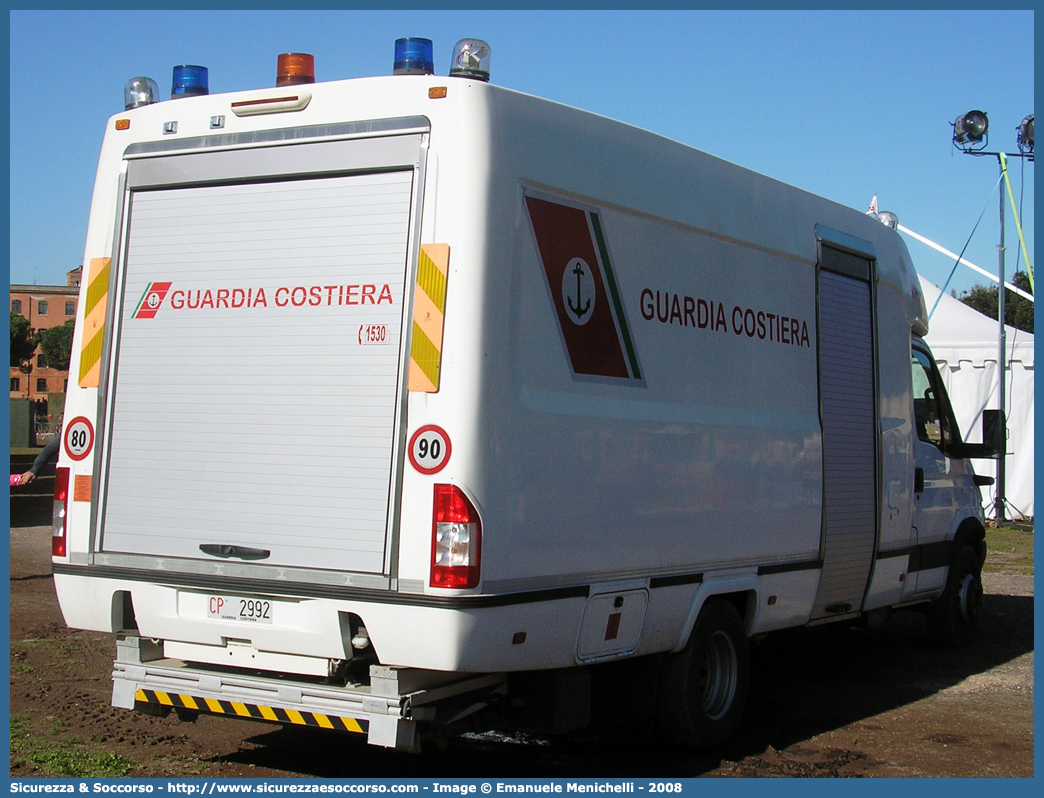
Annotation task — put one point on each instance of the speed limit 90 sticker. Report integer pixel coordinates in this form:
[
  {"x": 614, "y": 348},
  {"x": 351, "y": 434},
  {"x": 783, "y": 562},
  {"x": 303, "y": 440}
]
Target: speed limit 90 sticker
[
  {"x": 79, "y": 438},
  {"x": 429, "y": 449}
]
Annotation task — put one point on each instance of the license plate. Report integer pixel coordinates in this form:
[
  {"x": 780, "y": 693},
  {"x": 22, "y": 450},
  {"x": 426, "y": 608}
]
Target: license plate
[{"x": 239, "y": 608}]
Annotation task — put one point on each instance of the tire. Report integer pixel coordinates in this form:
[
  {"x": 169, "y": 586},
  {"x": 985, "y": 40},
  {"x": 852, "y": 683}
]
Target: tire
[
  {"x": 954, "y": 616},
  {"x": 703, "y": 688}
]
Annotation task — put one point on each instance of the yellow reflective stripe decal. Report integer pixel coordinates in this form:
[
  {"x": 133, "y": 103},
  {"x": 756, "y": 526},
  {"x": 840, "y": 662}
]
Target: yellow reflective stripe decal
[
  {"x": 323, "y": 721},
  {"x": 427, "y": 317},
  {"x": 295, "y": 717},
  {"x": 95, "y": 307},
  {"x": 352, "y": 725},
  {"x": 432, "y": 272},
  {"x": 424, "y": 363},
  {"x": 429, "y": 308},
  {"x": 214, "y": 706},
  {"x": 97, "y": 283},
  {"x": 252, "y": 711}
]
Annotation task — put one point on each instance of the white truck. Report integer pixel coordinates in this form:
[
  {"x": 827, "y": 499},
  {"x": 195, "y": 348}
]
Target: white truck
[{"x": 398, "y": 405}]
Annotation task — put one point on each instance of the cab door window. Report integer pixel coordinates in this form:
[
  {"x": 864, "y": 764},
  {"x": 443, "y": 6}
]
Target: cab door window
[{"x": 932, "y": 415}]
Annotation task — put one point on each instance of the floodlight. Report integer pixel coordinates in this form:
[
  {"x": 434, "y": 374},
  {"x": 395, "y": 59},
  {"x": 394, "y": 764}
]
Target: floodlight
[
  {"x": 970, "y": 130},
  {"x": 1025, "y": 136}
]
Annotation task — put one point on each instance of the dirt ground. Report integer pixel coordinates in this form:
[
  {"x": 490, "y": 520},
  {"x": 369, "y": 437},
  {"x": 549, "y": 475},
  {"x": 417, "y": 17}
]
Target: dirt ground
[{"x": 824, "y": 702}]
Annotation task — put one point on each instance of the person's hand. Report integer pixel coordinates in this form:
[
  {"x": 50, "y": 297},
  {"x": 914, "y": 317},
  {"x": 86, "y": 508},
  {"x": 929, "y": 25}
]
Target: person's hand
[{"x": 28, "y": 477}]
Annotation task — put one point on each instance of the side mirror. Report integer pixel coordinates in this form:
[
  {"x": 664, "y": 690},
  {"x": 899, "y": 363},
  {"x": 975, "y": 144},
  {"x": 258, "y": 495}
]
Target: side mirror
[
  {"x": 993, "y": 428},
  {"x": 993, "y": 439}
]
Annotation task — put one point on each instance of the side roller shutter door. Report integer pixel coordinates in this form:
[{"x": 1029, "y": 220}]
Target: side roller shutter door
[{"x": 848, "y": 411}]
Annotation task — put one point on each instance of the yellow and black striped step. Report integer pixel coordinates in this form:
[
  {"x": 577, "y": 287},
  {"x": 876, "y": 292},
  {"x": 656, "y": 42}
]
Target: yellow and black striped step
[{"x": 252, "y": 711}]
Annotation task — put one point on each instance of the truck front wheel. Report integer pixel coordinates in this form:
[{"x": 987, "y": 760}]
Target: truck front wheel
[
  {"x": 953, "y": 617},
  {"x": 703, "y": 688}
]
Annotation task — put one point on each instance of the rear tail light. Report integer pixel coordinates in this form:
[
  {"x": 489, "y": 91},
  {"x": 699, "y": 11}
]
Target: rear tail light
[
  {"x": 61, "y": 505},
  {"x": 456, "y": 537}
]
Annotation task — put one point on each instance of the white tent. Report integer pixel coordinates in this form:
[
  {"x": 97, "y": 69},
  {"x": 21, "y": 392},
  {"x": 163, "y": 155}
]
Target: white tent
[{"x": 965, "y": 345}]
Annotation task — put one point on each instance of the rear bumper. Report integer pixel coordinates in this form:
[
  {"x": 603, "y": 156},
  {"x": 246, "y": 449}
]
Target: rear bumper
[{"x": 462, "y": 634}]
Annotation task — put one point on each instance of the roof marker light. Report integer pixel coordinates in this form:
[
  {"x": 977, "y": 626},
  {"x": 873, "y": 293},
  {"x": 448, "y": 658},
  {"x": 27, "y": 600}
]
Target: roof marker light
[
  {"x": 140, "y": 91},
  {"x": 295, "y": 68},
  {"x": 413, "y": 56},
  {"x": 189, "y": 81},
  {"x": 470, "y": 60}
]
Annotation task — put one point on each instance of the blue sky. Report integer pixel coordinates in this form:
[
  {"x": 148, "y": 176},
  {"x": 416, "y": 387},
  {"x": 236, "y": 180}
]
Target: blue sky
[{"x": 846, "y": 104}]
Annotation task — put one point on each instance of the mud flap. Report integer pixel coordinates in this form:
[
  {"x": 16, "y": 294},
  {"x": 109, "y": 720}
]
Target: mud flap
[{"x": 389, "y": 731}]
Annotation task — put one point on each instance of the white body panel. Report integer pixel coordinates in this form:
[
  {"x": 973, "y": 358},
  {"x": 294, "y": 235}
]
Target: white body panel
[{"x": 690, "y": 467}]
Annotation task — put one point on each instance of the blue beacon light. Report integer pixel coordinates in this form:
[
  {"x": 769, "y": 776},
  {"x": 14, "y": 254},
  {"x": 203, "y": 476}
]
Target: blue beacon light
[
  {"x": 189, "y": 81},
  {"x": 414, "y": 57}
]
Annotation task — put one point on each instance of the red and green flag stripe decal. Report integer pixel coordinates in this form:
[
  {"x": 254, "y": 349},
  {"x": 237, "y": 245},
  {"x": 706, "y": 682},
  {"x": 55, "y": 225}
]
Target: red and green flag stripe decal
[{"x": 575, "y": 256}]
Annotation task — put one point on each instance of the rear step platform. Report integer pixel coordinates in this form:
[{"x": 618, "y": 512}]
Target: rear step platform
[{"x": 387, "y": 710}]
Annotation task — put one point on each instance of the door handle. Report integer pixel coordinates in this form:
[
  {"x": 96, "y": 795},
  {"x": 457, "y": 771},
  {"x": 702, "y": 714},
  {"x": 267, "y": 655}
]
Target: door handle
[
  {"x": 918, "y": 480},
  {"x": 226, "y": 550}
]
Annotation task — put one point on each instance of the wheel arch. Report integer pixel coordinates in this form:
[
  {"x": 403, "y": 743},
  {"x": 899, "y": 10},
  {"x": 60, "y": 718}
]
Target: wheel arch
[
  {"x": 741, "y": 592},
  {"x": 970, "y": 532}
]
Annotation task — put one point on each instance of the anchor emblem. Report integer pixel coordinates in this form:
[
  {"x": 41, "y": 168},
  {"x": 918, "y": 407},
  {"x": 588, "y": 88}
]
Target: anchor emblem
[{"x": 578, "y": 294}]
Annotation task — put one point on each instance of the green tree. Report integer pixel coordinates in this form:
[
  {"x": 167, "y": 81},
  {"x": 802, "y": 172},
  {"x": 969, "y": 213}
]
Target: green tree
[
  {"x": 56, "y": 345},
  {"x": 23, "y": 341},
  {"x": 1018, "y": 311}
]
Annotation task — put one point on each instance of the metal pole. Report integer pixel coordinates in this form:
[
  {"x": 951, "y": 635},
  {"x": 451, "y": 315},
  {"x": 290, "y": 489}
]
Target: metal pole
[
  {"x": 1002, "y": 357},
  {"x": 29, "y": 373}
]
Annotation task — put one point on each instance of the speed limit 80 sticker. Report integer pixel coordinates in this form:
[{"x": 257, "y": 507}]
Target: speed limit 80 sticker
[
  {"x": 429, "y": 449},
  {"x": 79, "y": 438}
]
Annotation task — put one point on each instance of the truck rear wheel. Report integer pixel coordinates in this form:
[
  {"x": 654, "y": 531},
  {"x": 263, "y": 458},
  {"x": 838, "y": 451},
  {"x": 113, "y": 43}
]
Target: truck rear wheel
[
  {"x": 703, "y": 688},
  {"x": 953, "y": 617}
]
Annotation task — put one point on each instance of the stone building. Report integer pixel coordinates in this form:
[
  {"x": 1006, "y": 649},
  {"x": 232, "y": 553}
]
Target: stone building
[{"x": 44, "y": 306}]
